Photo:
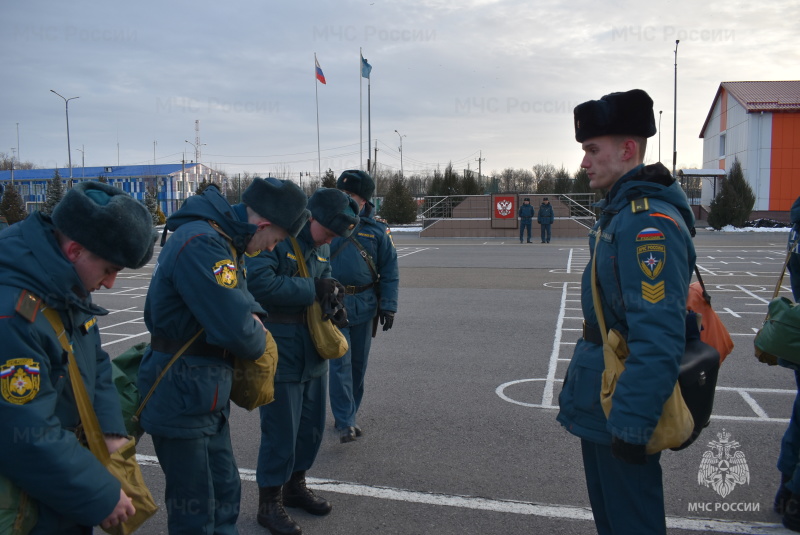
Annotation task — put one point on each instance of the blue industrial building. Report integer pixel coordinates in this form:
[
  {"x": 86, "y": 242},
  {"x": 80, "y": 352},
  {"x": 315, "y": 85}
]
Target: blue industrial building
[{"x": 172, "y": 181}]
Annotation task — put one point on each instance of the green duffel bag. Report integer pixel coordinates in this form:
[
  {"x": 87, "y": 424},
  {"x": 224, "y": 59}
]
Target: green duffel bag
[
  {"x": 780, "y": 335},
  {"x": 18, "y": 512},
  {"x": 124, "y": 371}
]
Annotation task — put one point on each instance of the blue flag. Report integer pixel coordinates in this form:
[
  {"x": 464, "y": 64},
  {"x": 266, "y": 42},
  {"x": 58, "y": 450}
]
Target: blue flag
[{"x": 366, "y": 68}]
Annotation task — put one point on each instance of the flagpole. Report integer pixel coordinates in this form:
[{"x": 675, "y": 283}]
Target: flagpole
[
  {"x": 369, "y": 114},
  {"x": 360, "y": 109},
  {"x": 316, "y": 98}
]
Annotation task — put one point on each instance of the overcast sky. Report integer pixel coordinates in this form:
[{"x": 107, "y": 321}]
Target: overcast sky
[{"x": 456, "y": 79}]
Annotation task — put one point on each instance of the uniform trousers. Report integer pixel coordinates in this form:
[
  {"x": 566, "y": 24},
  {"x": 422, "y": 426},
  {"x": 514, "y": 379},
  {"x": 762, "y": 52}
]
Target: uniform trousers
[
  {"x": 546, "y": 232},
  {"x": 203, "y": 488},
  {"x": 291, "y": 430},
  {"x": 789, "y": 459},
  {"x": 347, "y": 375},
  {"x": 525, "y": 224},
  {"x": 626, "y": 499}
]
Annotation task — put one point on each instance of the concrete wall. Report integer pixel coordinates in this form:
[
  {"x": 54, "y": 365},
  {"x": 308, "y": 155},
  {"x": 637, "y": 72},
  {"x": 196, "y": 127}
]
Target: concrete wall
[{"x": 472, "y": 219}]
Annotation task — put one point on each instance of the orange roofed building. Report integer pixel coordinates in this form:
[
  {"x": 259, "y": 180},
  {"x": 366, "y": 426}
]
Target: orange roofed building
[{"x": 758, "y": 123}]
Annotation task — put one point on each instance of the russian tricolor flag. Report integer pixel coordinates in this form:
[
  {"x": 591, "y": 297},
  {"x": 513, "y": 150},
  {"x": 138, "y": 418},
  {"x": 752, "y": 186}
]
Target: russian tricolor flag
[{"x": 320, "y": 76}]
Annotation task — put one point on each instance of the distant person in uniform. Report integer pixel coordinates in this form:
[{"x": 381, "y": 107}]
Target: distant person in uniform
[
  {"x": 525, "y": 216},
  {"x": 292, "y": 426},
  {"x": 95, "y": 231},
  {"x": 645, "y": 258},
  {"x": 545, "y": 219},
  {"x": 787, "y": 500},
  {"x": 199, "y": 283},
  {"x": 366, "y": 264}
]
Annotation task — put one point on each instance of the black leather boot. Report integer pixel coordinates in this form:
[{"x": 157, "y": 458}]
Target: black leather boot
[
  {"x": 782, "y": 495},
  {"x": 791, "y": 513},
  {"x": 297, "y": 494},
  {"x": 272, "y": 515}
]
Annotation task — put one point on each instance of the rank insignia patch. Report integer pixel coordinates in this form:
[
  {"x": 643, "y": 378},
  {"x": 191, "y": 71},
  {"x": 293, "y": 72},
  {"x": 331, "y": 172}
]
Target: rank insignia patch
[
  {"x": 19, "y": 380},
  {"x": 653, "y": 293},
  {"x": 225, "y": 273},
  {"x": 651, "y": 259},
  {"x": 650, "y": 233}
]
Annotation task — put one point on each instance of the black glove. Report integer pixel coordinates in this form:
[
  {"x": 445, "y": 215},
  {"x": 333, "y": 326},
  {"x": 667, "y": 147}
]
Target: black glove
[
  {"x": 387, "y": 319},
  {"x": 630, "y": 453},
  {"x": 338, "y": 293},
  {"x": 325, "y": 288},
  {"x": 340, "y": 318}
]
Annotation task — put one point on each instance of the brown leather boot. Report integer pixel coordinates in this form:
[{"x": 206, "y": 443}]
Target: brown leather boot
[
  {"x": 272, "y": 515},
  {"x": 297, "y": 494}
]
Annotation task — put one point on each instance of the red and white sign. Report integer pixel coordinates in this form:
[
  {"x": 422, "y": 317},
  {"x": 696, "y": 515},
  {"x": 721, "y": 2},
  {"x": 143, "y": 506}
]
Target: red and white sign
[{"x": 505, "y": 206}]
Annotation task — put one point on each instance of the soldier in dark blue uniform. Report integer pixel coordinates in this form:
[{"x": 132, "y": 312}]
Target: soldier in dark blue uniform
[
  {"x": 545, "y": 219},
  {"x": 199, "y": 283},
  {"x": 525, "y": 216},
  {"x": 366, "y": 264},
  {"x": 95, "y": 231},
  {"x": 645, "y": 260},
  {"x": 292, "y": 426},
  {"x": 787, "y": 500}
]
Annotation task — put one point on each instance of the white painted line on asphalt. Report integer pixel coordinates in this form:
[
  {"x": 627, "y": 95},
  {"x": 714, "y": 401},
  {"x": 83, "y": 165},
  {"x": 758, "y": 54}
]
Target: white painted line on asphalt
[
  {"x": 567, "y": 512},
  {"x": 751, "y": 294},
  {"x": 126, "y": 337},
  {"x": 547, "y": 395}
]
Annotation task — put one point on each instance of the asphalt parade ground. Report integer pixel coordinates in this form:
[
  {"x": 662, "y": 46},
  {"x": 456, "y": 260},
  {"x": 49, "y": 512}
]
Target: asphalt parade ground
[{"x": 460, "y": 435}]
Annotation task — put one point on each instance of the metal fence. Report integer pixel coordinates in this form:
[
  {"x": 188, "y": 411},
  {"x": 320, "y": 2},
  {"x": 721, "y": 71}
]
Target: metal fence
[{"x": 579, "y": 207}]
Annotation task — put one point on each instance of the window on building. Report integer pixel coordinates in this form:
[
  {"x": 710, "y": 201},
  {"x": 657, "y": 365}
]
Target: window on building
[{"x": 722, "y": 138}]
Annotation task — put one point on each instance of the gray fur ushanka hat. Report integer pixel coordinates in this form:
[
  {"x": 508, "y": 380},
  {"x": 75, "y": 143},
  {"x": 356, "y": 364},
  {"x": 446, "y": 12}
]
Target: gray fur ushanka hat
[
  {"x": 334, "y": 210},
  {"x": 108, "y": 222},
  {"x": 281, "y": 202},
  {"x": 358, "y": 182}
]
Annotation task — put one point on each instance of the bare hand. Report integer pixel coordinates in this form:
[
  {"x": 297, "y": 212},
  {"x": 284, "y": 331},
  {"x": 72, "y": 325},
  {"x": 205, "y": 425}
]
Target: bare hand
[
  {"x": 114, "y": 443},
  {"x": 259, "y": 322},
  {"x": 122, "y": 512}
]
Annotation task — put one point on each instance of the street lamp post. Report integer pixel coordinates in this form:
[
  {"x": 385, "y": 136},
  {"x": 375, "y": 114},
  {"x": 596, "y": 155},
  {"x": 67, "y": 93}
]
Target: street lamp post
[
  {"x": 83, "y": 162},
  {"x": 69, "y": 150},
  {"x": 401, "y": 152},
  {"x": 675, "y": 115}
]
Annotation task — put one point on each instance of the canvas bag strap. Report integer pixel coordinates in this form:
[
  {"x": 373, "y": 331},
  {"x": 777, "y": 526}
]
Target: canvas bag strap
[
  {"x": 161, "y": 375},
  {"x": 598, "y": 305},
  {"x": 785, "y": 264},
  {"x": 301, "y": 261},
  {"x": 89, "y": 420}
]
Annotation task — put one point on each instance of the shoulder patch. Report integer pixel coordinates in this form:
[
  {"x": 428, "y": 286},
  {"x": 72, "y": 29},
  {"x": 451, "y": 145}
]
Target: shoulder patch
[
  {"x": 649, "y": 233},
  {"x": 225, "y": 273},
  {"x": 653, "y": 293},
  {"x": 652, "y": 257},
  {"x": 19, "y": 380},
  {"x": 28, "y": 305}
]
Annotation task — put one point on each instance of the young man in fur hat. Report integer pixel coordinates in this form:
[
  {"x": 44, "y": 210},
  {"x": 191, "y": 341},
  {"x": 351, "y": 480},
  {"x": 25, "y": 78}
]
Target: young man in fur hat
[
  {"x": 645, "y": 259},
  {"x": 199, "y": 283},
  {"x": 292, "y": 426},
  {"x": 95, "y": 231},
  {"x": 366, "y": 264}
]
